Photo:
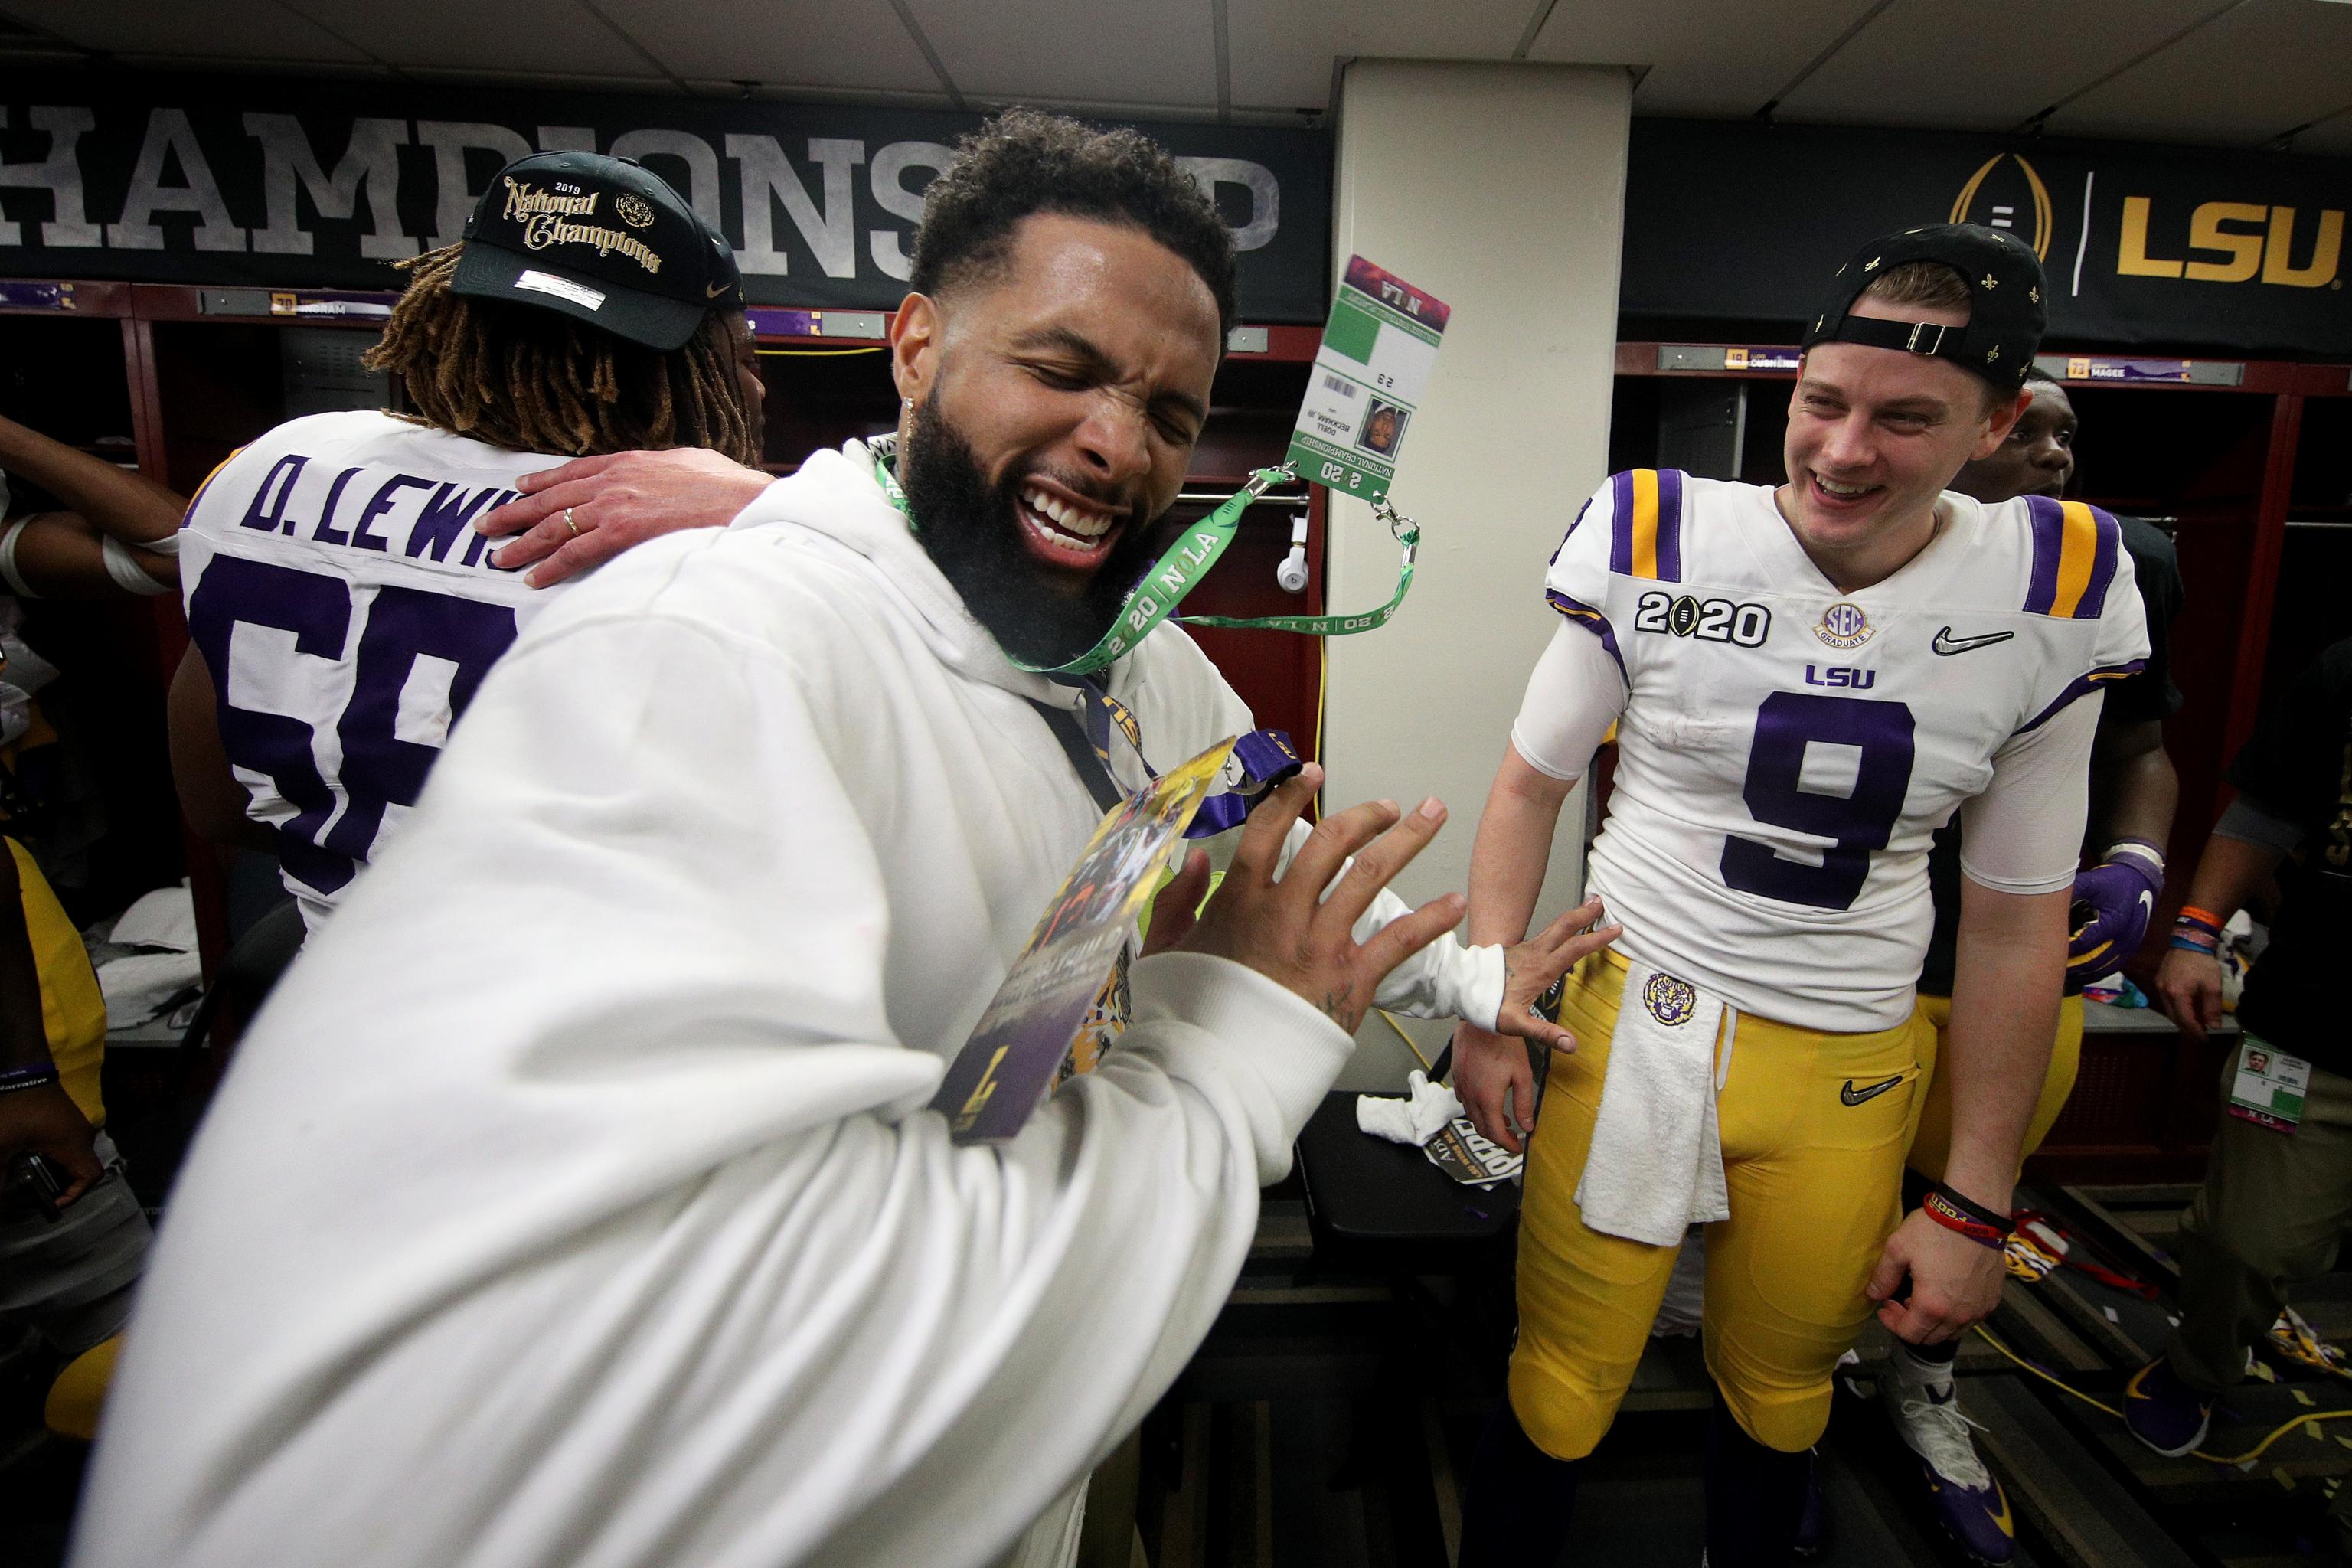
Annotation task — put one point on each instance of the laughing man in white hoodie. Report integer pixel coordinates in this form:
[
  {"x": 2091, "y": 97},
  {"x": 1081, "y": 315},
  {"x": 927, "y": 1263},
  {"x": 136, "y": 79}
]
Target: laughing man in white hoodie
[{"x": 574, "y": 1201}]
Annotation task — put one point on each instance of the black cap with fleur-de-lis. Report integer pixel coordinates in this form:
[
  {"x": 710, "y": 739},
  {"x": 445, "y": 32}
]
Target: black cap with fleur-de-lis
[{"x": 2006, "y": 315}]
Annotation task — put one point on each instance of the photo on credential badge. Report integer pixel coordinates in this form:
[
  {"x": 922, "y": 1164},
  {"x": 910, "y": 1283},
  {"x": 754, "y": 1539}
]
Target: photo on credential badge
[
  {"x": 1384, "y": 428},
  {"x": 1005, "y": 1068}
]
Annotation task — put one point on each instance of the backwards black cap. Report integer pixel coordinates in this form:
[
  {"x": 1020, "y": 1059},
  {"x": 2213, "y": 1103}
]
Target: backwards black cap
[
  {"x": 603, "y": 239},
  {"x": 2006, "y": 312}
]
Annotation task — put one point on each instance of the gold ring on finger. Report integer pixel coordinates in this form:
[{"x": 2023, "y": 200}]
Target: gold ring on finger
[{"x": 570, "y": 524}]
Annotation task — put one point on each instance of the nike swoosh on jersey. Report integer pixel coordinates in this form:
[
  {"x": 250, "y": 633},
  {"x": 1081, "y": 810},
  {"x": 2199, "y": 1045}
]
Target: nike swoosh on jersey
[
  {"x": 1948, "y": 645},
  {"x": 1853, "y": 1096}
]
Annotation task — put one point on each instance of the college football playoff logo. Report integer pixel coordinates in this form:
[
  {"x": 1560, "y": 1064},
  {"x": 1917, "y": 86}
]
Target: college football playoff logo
[
  {"x": 634, "y": 210},
  {"x": 1997, "y": 198}
]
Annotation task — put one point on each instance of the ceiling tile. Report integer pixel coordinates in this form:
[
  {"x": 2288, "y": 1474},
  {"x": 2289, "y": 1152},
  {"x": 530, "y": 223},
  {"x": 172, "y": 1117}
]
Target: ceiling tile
[
  {"x": 2015, "y": 58},
  {"x": 202, "y": 30},
  {"x": 1708, "y": 57},
  {"x": 859, "y": 45},
  {"x": 2259, "y": 70},
  {"x": 1282, "y": 50},
  {"x": 2333, "y": 135},
  {"x": 1051, "y": 51},
  {"x": 518, "y": 38}
]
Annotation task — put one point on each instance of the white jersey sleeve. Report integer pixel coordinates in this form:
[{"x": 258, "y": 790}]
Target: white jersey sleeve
[
  {"x": 1577, "y": 583},
  {"x": 2024, "y": 833},
  {"x": 1574, "y": 695}
]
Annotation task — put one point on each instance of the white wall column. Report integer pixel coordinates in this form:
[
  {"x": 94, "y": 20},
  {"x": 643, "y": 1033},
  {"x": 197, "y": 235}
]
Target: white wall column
[{"x": 1500, "y": 189}]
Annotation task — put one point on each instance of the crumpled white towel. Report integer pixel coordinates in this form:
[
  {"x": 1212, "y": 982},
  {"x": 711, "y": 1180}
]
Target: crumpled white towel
[
  {"x": 1414, "y": 1121},
  {"x": 140, "y": 985},
  {"x": 1655, "y": 1167},
  {"x": 165, "y": 918}
]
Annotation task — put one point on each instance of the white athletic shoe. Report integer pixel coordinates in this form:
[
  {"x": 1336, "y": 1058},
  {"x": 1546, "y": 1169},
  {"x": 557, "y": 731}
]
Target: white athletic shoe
[{"x": 1923, "y": 1405}]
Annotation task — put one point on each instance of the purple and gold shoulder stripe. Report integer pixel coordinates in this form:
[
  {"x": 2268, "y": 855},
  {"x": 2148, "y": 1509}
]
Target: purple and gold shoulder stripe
[
  {"x": 1646, "y": 522},
  {"x": 2075, "y": 550}
]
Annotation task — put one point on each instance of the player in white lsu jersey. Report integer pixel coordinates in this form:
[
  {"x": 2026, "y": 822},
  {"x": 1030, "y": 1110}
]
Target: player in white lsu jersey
[
  {"x": 341, "y": 608},
  {"x": 1807, "y": 681}
]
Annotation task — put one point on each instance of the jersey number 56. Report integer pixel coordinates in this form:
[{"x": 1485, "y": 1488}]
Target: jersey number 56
[{"x": 367, "y": 766}]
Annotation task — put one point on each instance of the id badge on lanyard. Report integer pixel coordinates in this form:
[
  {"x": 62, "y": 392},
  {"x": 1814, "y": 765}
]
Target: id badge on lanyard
[{"x": 2269, "y": 1087}]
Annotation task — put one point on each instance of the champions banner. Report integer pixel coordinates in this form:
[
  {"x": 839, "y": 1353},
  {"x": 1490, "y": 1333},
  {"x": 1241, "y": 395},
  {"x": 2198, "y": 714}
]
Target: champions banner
[
  {"x": 204, "y": 180},
  {"x": 2183, "y": 246}
]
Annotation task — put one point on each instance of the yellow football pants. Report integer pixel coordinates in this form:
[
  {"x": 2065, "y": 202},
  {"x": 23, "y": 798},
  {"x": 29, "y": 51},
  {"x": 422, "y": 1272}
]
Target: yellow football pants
[
  {"x": 1815, "y": 1171},
  {"x": 1933, "y": 1144}
]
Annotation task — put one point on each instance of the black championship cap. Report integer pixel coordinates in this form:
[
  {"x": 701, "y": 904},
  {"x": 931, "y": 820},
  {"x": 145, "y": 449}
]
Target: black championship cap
[
  {"x": 2006, "y": 311},
  {"x": 603, "y": 239}
]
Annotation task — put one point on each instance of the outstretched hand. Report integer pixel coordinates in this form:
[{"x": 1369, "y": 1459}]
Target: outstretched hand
[
  {"x": 1290, "y": 929},
  {"x": 614, "y": 500},
  {"x": 1530, "y": 968}
]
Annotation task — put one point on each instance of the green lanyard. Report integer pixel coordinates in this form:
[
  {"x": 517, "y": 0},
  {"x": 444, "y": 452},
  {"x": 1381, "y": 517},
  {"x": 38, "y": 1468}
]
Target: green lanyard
[{"x": 1154, "y": 598}]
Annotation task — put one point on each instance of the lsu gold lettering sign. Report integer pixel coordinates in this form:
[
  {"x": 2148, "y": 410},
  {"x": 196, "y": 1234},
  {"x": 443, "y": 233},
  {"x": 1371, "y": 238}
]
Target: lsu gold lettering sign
[{"x": 2239, "y": 242}]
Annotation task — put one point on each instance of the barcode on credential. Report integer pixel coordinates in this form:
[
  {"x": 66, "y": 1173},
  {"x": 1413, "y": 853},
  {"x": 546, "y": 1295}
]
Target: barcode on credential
[{"x": 1340, "y": 385}]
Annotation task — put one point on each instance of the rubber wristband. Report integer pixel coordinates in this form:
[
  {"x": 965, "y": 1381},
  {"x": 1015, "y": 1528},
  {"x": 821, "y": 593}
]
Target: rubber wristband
[
  {"x": 26, "y": 1078},
  {"x": 2183, "y": 944},
  {"x": 1936, "y": 1208},
  {"x": 2205, "y": 918},
  {"x": 1973, "y": 1211}
]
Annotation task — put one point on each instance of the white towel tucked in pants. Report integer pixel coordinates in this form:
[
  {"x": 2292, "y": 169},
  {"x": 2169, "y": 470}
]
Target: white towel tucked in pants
[{"x": 1656, "y": 1163}]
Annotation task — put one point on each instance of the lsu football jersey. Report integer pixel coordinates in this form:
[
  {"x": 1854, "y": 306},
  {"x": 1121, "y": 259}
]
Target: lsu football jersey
[
  {"x": 1786, "y": 750},
  {"x": 348, "y": 610}
]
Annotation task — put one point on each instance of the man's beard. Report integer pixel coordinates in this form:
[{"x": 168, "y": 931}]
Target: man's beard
[{"x": 972, "y": 531}]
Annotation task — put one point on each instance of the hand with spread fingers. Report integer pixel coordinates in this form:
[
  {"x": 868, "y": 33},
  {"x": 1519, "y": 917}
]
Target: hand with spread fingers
[
  {"x": 1491, "y": 1071},
  {"x": 1532, "y": 967},
  {"x": 587, "y": 511},
  {"x": 1288, "y": 928}
]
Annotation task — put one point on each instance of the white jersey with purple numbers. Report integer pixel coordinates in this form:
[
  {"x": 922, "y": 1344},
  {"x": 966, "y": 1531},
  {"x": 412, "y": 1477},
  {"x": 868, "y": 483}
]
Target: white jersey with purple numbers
[
  {"x": 348, "y": 610},
  {"x": 1786, "y": 750}
]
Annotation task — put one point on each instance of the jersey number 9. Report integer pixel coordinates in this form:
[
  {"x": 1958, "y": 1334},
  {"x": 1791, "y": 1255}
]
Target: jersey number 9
[{"x": 1879, "y": 733}]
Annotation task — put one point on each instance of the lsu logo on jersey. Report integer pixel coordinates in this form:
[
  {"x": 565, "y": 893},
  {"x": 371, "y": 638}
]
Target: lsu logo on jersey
[
  {"x": 1670, "y": 1001},
  {"x": 1844, "y": 625}
]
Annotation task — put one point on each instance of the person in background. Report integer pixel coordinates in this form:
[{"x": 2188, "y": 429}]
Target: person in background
[
  {"x": 2278, "y": 1182},
  {"x": 112, "y": 535},
  {"x": 73, "y": 1236},
  {"x": 117, "y": 536},
  {"x": 2133, "y": 790},
  {"x": 343, "y": 539}
]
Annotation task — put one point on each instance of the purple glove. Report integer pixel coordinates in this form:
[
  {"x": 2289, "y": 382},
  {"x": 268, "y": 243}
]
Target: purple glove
[{"x": 2112, "y": 902}]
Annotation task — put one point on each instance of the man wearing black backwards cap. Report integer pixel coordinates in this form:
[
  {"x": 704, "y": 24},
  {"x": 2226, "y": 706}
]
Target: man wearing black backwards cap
[
  {"x": 1807, "y": 681},
  {"x": 340, "y": 611}
]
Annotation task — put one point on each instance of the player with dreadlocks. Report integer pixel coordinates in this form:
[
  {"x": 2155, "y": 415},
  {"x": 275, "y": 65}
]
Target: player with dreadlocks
[{"x": 340, "y": 610}]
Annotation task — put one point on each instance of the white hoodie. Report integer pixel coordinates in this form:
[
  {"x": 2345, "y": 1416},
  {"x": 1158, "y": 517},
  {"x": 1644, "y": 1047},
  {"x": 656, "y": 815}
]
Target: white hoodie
[{"x": 569, "y": 1204}]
